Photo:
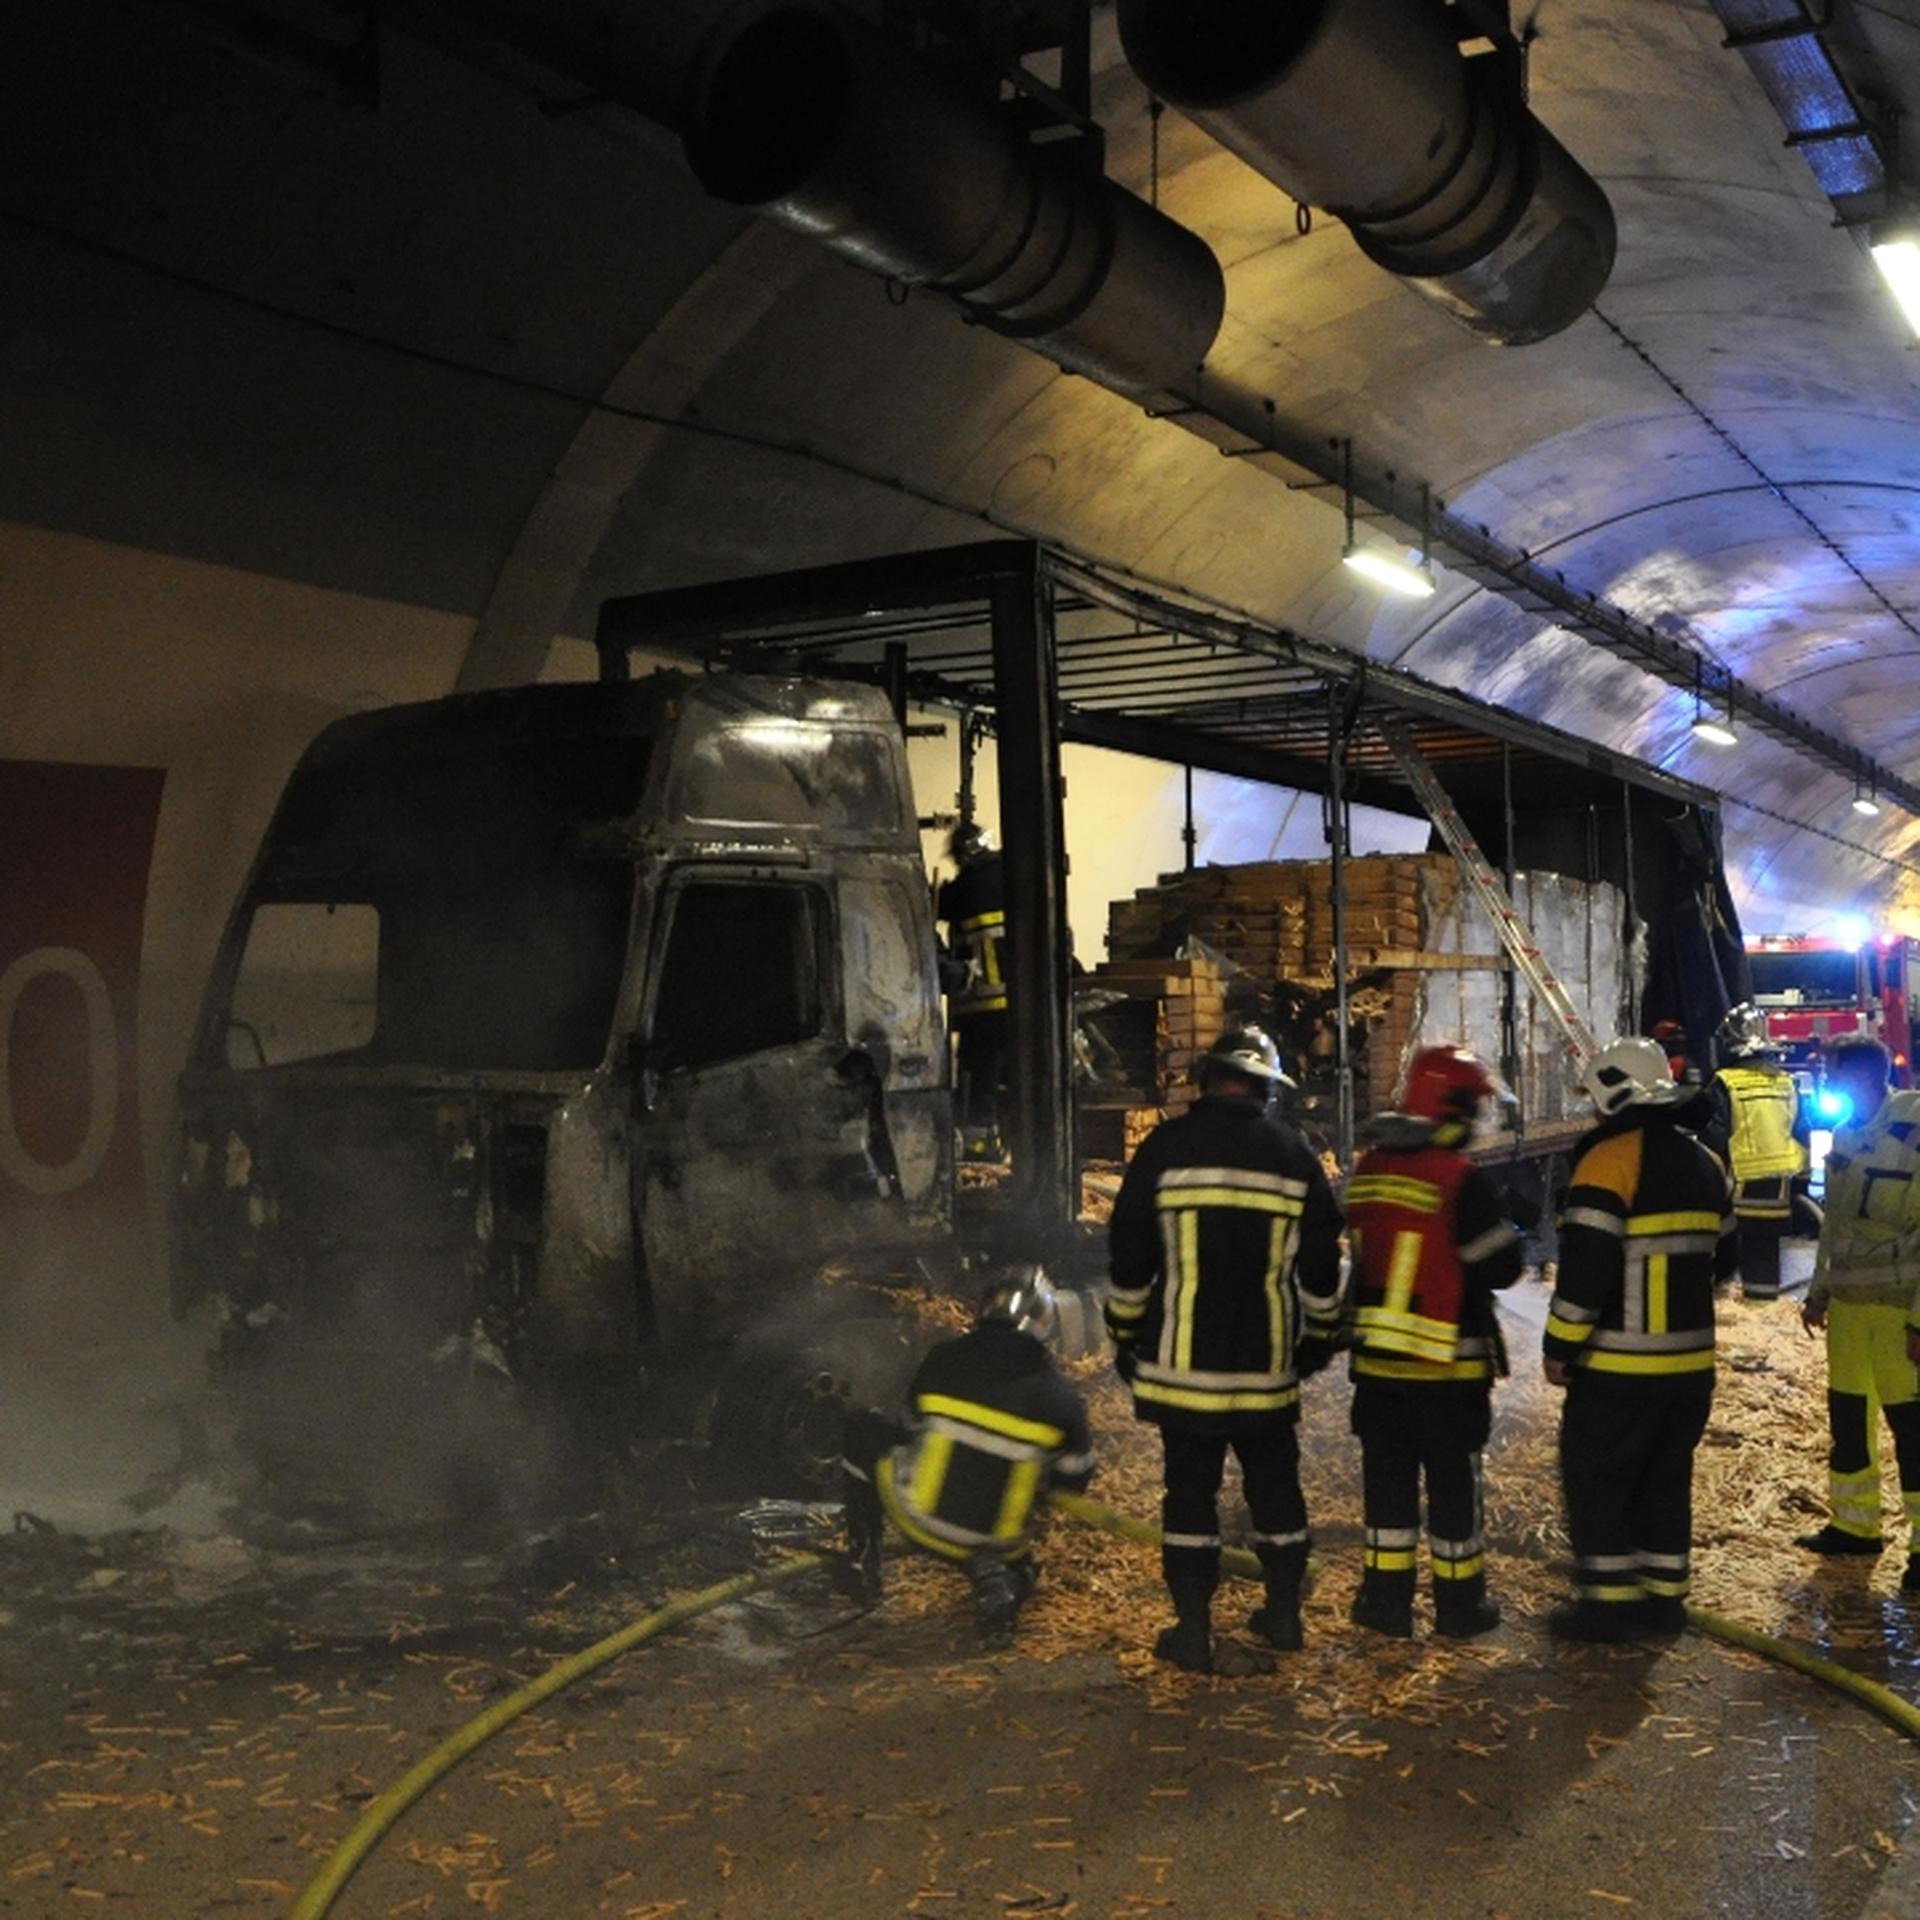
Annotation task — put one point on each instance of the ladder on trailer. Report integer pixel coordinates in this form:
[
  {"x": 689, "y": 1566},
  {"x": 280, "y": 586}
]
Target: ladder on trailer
[{"x": 1515, "y": 934}]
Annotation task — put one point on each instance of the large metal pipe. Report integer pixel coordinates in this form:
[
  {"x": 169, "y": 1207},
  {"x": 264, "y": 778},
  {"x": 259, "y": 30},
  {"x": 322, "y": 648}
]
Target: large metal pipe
[
  {"x": 1368, "y": 109},
  {"x": 819, "y": 122}
]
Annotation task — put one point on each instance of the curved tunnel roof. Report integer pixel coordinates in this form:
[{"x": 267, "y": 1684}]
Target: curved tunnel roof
[{"x": 485, "y": 346}]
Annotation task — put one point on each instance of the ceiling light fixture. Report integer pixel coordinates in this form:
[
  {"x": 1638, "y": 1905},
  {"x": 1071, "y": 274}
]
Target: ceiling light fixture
[
  {"x": 1385, "y": 571},
  {"x": 1712, "y": 727},
  {"x": 1895, "y": 246},
  {"x": 1375, "y": 563},
  {"x": 1864, "y": 801}
]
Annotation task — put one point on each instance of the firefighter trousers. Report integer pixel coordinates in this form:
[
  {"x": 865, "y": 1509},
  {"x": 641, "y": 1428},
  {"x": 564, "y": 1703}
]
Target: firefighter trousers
[
  {"x": 1000, "y": 1581},
  {"x": 981, "y": 1067},
  {"x": 1407, "y": 1432},
  {"x": 1190, "y": 1512},
  {"x": 1868, "y": 1373},
  {"x": 1626, "y": 1470},
  {"x": 1759, "y": 1242}
]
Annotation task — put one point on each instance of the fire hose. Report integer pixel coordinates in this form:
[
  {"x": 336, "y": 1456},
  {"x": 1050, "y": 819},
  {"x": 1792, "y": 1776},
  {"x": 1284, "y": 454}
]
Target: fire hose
[{"x": 320, "y": 1893}]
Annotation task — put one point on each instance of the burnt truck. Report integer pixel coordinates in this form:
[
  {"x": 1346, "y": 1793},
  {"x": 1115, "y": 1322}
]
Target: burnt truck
[
  {"x": 581, "y": 1045},
  {"x": 557, "y": 1027}
]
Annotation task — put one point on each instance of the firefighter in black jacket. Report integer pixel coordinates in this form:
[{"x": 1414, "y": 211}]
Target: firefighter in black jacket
[
  {"x": 1646, "y": 1233},
  {"x": 1225, "y": 1288},
  {"x": 974, "y": 906},
  {"x": 1431, "y": 1244},
  {"x": 992, "y": 1425}
]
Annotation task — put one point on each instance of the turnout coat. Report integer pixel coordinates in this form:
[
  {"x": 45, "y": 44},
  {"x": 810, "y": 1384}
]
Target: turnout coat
[{"x": 1224, "y": 1258}]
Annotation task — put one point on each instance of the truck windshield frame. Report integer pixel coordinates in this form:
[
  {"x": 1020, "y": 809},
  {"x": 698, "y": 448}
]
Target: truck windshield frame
[
  {"x": 740, "y": 968},
  {"x": 1805, "y": 976},
  {"x": 491, "y": 936}
]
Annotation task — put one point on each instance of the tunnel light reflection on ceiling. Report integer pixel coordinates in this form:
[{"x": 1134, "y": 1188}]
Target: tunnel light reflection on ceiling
[
  {"x": 1896, "y": 252},
  {"x": 1385, "y": 571}
]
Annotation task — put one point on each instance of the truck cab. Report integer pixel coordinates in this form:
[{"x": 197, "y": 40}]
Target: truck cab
[
  {"x": 558, "y": 1028},
  {"x": 1813, "y": 989}
]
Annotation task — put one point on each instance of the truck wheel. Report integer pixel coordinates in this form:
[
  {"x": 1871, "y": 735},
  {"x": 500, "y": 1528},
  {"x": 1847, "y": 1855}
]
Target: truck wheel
[{"x": 781, "y": 1405}]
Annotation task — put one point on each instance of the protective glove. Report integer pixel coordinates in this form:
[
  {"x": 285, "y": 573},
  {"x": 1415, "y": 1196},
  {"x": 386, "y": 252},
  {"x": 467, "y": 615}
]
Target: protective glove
[
  {"x": 1125, "y": 1362},
  {"x": 1312, "y": 1354}
]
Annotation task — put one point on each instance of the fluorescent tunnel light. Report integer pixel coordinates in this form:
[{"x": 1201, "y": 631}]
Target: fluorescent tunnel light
[
  {"x": 1896, "y": 252},
  {"x": 1385, "y": 571}
]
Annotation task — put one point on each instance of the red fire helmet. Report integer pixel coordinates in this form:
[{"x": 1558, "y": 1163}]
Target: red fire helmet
[{"x": 1449, "y": 1083}]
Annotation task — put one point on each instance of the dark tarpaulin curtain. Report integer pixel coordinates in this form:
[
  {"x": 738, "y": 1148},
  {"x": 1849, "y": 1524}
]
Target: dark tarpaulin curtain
[{"x": 1696, "y": 962}]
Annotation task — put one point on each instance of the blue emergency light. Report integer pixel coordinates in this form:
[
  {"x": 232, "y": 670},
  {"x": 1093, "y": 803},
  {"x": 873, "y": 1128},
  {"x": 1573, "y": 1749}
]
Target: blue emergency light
[{"x": 1832, "y": 1106}]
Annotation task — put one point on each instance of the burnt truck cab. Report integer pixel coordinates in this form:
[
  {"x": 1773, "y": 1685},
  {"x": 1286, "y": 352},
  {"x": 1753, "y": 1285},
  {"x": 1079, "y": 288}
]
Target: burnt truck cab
[{"x": 560, "y": 1027}]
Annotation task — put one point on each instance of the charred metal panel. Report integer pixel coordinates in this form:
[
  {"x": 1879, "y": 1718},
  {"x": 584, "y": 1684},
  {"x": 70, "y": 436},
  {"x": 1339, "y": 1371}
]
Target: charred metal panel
[
  {"x": 586, "y": 1294},
  {"x": 458, "y": 1100}
]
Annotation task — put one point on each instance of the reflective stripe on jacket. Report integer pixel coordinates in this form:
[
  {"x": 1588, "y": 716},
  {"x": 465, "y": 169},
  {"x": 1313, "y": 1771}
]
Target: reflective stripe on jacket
[
  {"x": 1765, "y": 1106},
  {"x": 1430, "y": 1245},
  {"x": 1647, "y": 1230},
  {"x": 1870, "y": 1242},
  {"x": 1225, "y": 1250},
  {"x": 994, "y": 1424},
  {"x": 973, "y": 904}
]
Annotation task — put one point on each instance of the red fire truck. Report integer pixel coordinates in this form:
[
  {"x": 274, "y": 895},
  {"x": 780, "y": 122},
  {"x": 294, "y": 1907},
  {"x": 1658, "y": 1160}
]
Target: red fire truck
[{"x": 1811, "y": 989}]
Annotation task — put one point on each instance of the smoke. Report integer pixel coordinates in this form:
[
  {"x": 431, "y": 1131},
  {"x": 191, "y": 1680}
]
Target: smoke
[{"x": 103, "y": 1404}]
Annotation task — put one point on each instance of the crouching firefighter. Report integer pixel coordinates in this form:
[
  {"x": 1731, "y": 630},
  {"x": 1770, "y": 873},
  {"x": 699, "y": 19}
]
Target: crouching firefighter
[
  {"x": 1646, "y": 1234},
  {"x": 1431, "y": 1246},
  {"x": 1225, "y": 1270},
  {"x": 991, "y": 1427}
]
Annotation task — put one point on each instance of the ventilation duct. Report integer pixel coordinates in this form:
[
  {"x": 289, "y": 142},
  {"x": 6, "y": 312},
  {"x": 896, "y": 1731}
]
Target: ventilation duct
[
  {"x": 818, "y": 122},
  {"x": 1368, "y": 109}
]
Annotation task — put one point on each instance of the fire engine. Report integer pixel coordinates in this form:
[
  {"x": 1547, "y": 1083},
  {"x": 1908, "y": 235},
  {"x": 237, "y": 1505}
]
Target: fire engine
[{"x": 1812, "y": 989}]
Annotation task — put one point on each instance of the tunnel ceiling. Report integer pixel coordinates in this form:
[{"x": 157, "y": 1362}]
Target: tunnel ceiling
[{"x": 481, "y": 343}]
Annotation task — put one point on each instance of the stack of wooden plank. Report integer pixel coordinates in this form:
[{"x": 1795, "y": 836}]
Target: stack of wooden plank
[
  {"x": 1173, "y": 1010},
  {"x": 1274, "y": 919}
]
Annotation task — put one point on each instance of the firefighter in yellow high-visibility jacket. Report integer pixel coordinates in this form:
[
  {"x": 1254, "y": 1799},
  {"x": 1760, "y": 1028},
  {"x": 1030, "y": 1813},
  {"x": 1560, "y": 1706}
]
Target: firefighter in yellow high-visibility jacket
[
  {"x": 1866, "y": 1294},
  {"x": 1766, "y": 1144}
]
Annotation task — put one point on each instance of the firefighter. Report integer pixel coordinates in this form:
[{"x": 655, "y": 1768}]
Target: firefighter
[
  {"x": 1766, "y": 1144},
  {"x": 1225, "y": 1270},
  {"x": 1431, "y": 1246},
  {"x": 974, "y": 906},
  {"x": 992, "y": 1425},
  {"x": 1864, "y": 1294},
  {"x": 1646, "y": 1233}
]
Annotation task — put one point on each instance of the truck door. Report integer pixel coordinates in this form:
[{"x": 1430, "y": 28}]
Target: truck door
[{"x": 754, "y": 1163}]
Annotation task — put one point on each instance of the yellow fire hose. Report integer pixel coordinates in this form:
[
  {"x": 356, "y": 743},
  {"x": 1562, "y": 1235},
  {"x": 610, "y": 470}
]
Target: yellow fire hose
[{"x": 371, "y": 1828}]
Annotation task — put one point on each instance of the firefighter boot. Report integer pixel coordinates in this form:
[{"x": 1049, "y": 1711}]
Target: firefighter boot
[
  {"x": 1599, "y": 1620},
  {"x": 997, "y": 1593},
  {"x": 1836, "y": 1540},
  {"x": 1384, "y": 1606},
  {"x": 1462, "y": 1619},
  {"x": 1662, "y": 1613},
  {"x": 1460, "y": 1616},
  {"x": 1188, "y": 1643},
  {"x": 1278, "y": 1622}
]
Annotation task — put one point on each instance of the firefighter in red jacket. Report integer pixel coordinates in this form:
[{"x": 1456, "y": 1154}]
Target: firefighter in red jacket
[
  {"x": 1225, "y": 1264},
  {"x": 1431, "y": 1246}
]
